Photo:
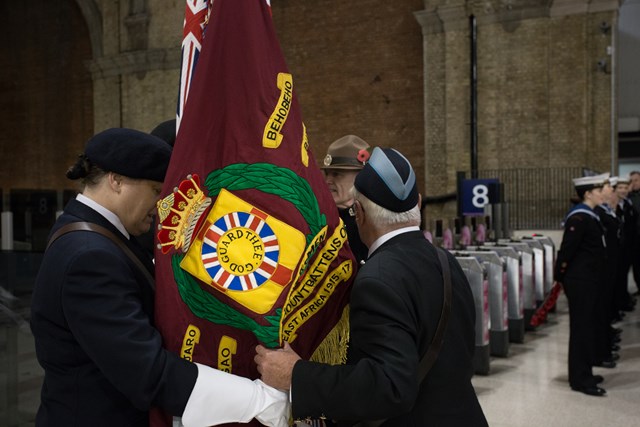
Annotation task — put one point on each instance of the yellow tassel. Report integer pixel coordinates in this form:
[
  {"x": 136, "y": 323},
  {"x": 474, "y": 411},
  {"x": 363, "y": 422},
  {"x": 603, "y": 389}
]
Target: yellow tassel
[{"x": 333, "y": 349}]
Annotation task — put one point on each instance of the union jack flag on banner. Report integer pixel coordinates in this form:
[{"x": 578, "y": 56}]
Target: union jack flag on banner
[
  {"x": 196, "y": 17},
  {"x": 251, "y": 246}
]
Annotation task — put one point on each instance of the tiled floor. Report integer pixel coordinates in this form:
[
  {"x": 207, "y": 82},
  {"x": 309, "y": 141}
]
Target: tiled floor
[
  {"x": 530, "y": 387},
  {"x": 527, "y": 388}
]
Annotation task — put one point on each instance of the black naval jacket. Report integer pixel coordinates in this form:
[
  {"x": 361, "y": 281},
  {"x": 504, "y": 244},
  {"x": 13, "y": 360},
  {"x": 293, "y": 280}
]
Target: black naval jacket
[
  {"x": 395, "y": 308},
  {"x": 613, "y": 231},
  {"x": 91, "y": 317},
  {"x": 582, "y": 255},
  {"x": 580, "y": 267},
  {"x": 629, "y": 218}
]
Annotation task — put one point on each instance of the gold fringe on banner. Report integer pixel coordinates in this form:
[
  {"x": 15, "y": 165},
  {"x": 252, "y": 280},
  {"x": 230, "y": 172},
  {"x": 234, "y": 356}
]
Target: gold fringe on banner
[{"x": 333, "y": 349}]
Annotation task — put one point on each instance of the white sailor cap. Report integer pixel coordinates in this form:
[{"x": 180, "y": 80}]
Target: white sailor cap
[
  {"x": 624, "y": 179},
  {"x": 588, "y": 182},
  {"x": 613, "y": 181}
]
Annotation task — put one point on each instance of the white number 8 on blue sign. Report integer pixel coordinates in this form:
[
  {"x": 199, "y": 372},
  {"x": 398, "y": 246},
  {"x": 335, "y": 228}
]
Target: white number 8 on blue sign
[{"x": 480, "y": 196}]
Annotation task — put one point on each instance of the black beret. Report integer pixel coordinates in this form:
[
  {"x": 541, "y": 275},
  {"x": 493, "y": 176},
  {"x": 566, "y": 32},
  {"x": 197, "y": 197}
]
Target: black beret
[
  {"x": 130, "y": 153},
  {"x": 166, "y": 131},
  {"x": 388, "y": 180}
]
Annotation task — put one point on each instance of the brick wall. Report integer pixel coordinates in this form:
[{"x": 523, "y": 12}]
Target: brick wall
[
  {"x": 371, "y": 68},
  {"x": 542, "y": 102},
  {"x": 357, "y": 68},
  {"x": 46, "y": 111}
]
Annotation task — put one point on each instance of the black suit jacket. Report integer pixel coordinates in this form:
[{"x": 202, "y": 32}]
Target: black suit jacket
[
  {"x": 396, "y": 303},
  {"x": 91, "y": 317}
]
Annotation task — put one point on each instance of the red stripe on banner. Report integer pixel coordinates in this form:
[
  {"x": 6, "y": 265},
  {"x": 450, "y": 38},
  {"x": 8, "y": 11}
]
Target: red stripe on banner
[
  {"x": 267, "y": 268},
  {"x": 203, "y": 230},
  {"x": 247, "y": 282},
  {"x": 222, "y": 277},
  {"x": 210, "y": 257},
  {"x": 281, "y": 276},
  {"x": 212, "y": 235},
  {"x": 253, "y": 224},
  {"x": 259, "y": 214}
]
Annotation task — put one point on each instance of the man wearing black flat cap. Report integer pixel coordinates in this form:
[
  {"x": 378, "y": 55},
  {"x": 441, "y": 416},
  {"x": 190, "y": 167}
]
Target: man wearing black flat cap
[
  {"x": 93, "y": 302},
  {"x": 395, "y": 320}
]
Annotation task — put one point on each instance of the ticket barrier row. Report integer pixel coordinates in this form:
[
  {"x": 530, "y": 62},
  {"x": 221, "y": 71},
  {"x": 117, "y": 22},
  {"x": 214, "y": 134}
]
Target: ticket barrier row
[{"x": 506, "y": 278}]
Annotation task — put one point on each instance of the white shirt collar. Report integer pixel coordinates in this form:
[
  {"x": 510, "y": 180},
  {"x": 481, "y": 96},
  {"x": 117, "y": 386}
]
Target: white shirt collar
[
  {"x": 110, "y": 216},
  {"x": 382, "y": 239}
]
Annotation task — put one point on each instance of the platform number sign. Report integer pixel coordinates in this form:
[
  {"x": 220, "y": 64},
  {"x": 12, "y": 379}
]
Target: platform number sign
[{"x": 476, "y": 194}]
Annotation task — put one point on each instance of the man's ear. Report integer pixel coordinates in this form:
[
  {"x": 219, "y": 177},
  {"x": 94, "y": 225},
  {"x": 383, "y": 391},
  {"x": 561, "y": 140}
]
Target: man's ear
[
  {"x": 115, "y": 181},
  {"x": 360, "y": 212}
]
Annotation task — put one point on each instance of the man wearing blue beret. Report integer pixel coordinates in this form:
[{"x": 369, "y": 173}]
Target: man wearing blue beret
[
  {"x": 93, "y": 301},
  {"x": 410, "y": 358}
]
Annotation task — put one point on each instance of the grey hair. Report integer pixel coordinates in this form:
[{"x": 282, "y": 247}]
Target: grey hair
[{"x": 383, "y": 216}]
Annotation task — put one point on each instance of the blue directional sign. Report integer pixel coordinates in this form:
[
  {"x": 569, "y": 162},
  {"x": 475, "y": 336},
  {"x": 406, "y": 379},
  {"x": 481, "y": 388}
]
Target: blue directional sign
[{"x": 477, "y": 193}]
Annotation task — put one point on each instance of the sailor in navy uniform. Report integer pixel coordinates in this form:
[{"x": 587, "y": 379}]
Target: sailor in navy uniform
[
  {"x": 605, "y": 350},
  {"x": 579, "y": 268},
  {"x": 629, "y": 217}
]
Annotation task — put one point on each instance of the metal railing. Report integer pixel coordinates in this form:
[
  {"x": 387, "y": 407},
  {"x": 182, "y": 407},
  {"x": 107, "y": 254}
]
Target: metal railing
[{"x": 536, "y": 198}]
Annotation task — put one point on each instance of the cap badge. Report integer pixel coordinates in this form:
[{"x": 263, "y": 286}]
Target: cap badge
[{"x": 327, "y": 160}]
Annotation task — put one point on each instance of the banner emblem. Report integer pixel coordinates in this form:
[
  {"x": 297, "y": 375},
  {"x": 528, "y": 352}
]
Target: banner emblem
[
  {"x": 237, "y": 252},
  {"x": 240, "y": 251}
]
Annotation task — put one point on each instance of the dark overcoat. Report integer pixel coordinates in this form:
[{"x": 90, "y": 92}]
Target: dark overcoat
[
  {"x": 92, "y": 319},
  {"x": 396, "y": 303}
]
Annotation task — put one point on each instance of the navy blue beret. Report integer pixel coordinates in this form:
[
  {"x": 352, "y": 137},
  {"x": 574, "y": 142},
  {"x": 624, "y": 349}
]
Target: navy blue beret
[
  {"x": 166, "y": 131},
  {"x": 388, "y": 180},
  {"x": 130, "y": 153}
]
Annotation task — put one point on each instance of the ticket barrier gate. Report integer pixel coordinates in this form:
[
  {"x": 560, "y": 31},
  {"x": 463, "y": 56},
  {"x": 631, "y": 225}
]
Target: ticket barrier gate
[
  {"x": 549, "y": 261},
  {"x": 498, "y": 304},
  {"x": 538, "y": 269},
  {"x": 477, "y": 277},
  {"x": 526, "y": 278},
  {"x": 513, "y": 273}
]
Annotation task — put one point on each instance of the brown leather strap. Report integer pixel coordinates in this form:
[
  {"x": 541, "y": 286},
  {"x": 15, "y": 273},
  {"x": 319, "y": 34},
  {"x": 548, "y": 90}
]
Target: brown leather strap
[
  {"x": 86, "y": 226},
  {"x": 436, "y": 344}
]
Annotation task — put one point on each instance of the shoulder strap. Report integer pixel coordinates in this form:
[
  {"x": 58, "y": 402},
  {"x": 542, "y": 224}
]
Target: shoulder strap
[
  {"x": 431, "y": 355},
  {"x": 436, "y": 344},
  {"x": 86, "y": 226}
]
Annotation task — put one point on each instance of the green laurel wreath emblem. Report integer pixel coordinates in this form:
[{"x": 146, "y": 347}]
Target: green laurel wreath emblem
[{"x": 270, "y": 179}]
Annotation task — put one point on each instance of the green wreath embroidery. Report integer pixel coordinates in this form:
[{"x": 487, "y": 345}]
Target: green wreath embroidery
[{"x": 270, "y": 179}]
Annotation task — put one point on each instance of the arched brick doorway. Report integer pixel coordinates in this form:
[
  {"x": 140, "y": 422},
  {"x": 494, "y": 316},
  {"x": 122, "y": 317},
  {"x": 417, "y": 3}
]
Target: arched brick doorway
[{"x": 46, "y": 106}]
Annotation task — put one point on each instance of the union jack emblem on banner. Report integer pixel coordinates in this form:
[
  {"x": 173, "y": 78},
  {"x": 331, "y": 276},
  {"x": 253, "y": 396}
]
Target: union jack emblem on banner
[
  {"x": 196, "y": 17},
  {"x": 248, "y": 230}
]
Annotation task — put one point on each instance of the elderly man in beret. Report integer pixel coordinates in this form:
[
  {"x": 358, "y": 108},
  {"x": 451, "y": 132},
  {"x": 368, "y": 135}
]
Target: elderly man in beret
[
  {"x": 345, "y": 158},
  {"x": 93, "y": 301},
  {"x": 395, "y": 320}
]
